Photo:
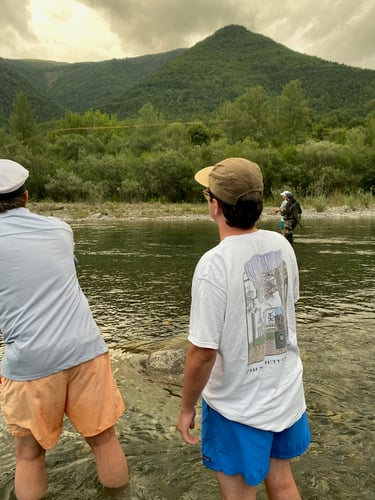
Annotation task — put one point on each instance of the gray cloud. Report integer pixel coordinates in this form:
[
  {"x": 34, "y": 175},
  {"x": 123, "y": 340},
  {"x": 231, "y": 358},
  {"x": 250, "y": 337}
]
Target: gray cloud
[
  {"x": 14, "y": 21},
  {"x": 351, "y": 39},
  {"x": 340, "y": 30},
  {"x": 166, "y": 24},
  {"x": 337, "y": 30}
]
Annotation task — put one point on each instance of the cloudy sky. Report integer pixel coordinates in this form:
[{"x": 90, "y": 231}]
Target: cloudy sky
[{"x": 95, "y": 30}]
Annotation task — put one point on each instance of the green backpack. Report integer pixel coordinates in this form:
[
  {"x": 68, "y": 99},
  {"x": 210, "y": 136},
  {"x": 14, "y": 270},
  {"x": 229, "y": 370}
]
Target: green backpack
[{"x": 296, "y": 212}]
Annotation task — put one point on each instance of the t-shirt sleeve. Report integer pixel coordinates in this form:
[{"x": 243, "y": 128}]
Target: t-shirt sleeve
[{"x": 208, "y": 306}]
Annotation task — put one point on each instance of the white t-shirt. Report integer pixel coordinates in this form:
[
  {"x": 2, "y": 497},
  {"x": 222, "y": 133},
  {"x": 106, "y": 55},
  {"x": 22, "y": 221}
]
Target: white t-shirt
[
  {"x": 243, "y": 296},
  {"x": 282, "y": 207},
  {"x": 45, "y": 318}
]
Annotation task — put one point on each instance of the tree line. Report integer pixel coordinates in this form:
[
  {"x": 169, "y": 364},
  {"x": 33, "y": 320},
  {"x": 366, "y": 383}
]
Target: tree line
[{"x": 94, "y": 156}]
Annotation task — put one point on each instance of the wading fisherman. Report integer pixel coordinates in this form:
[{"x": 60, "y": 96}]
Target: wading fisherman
[
  {"x": 56, "y": 361},
  {"x": 291, "y": 213},
  {"x": 243, "y": 355}
]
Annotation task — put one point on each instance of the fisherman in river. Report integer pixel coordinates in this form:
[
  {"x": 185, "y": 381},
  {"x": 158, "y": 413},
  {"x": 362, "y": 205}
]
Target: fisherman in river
[
  {"x": 243, "y": 355},
  {"x": 56, "y": 361},
  {"x": 290, "y": 212}
]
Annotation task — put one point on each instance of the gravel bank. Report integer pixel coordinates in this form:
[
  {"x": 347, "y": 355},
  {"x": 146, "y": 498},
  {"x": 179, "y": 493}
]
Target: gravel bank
[{"x": 71, "y": 212}]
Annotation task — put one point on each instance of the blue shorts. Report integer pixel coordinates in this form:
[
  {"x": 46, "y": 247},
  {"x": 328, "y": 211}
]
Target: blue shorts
[{"x": 234, "y": 448}]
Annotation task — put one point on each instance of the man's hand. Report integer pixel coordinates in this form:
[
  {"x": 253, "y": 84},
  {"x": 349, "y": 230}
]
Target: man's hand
[
  {"x": 186, "y": 421},
  {"x": 198, "y": 366}
]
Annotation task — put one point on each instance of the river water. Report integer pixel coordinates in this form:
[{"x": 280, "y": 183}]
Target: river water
[{"x": 137, "y": 277}]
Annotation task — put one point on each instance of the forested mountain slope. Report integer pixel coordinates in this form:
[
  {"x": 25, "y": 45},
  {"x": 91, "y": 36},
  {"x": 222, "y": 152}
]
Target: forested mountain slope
[
  {"x": 12, "y": 82},
  {"x": 82, "y": 86},
  {"x": 184, "y": 83},
  {"x": 224, "y": 65}
]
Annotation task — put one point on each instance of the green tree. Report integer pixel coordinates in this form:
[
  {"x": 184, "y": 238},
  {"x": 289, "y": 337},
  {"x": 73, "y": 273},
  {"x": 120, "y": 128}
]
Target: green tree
[
  {"x": 67, "y": 186},
  {"x": 167, "y": 176},
  {"x": 370, "y": 132},
  {"x": 22, "y": 122},
  {"x": 199, "y": 133},
  {"x": 321, "y": 168},
  {"x": 249, "y": 116},
  {"x": 147, "y": 132},
  {"x": 293, "y": 114}
]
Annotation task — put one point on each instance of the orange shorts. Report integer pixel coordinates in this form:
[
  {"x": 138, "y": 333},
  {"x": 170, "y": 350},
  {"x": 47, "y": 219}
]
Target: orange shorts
[{"x": 86, "y": 393}]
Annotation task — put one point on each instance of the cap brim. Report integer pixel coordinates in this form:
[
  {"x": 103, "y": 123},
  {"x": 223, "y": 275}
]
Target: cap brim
[{"x": 202, "y": 176}]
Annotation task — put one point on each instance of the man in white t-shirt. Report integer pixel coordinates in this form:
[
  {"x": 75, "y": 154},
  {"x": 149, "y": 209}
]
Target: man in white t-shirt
[
  {"x": 55, "y": 361},
  {"x": 243, "y": 356}
]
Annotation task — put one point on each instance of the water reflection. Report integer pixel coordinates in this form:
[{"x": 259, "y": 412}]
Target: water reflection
[
  {"x": 143, "y": 272},
  {"x": 137, "y": 278}
]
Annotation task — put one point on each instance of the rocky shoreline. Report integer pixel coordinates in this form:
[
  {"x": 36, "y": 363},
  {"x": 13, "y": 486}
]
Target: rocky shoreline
[{"x": 78, "y": 212}]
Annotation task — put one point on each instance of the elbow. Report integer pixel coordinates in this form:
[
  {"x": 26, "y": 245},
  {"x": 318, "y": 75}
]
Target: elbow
[{"x": 204, "y": 355}]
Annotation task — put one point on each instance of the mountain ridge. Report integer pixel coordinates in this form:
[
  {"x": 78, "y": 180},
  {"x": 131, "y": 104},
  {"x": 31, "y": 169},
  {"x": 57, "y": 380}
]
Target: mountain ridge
[{"x": 185, "y": 83}]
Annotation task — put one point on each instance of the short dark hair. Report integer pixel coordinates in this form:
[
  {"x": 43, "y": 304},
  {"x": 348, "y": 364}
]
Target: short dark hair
[
  {"x": 245, "y": 212},
  {"x": 17, "y": 202}
]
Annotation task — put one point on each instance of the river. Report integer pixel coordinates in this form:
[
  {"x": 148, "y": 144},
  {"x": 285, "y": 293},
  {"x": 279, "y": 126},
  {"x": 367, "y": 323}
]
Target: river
[{"x": 137, "y": 277}]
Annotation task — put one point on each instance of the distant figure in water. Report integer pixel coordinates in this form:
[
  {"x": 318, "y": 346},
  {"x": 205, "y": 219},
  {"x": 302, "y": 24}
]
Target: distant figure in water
[
  {"x": 55, "y": 361},
  {"x": 277, "y": 210},
  {"x": 290, "y": 212}
]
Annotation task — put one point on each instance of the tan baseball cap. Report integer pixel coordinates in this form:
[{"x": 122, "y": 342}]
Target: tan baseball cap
[{"x": 232, "y": 178}]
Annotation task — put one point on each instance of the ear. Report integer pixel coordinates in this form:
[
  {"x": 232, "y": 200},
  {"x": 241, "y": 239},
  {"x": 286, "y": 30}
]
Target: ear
[
  {"x": 216, "y": 206},
  {"x": 26, "y": 196}
]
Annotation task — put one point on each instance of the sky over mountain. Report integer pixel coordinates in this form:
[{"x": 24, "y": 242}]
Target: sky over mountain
[{"x": 94, "y": 30}]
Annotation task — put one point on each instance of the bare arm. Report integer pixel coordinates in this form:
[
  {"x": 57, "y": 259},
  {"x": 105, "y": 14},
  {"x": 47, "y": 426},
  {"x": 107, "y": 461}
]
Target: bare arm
[{"x": 198, "y": 366}]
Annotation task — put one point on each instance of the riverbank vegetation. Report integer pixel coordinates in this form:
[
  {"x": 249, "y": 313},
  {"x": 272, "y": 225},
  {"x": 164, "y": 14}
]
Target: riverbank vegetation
[
  {"x": 95, "y": 157},
  {"x": 136, "y": 130}
]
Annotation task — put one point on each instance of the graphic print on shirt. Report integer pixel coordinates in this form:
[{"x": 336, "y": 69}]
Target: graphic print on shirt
[{"x": 265, "y": 281}]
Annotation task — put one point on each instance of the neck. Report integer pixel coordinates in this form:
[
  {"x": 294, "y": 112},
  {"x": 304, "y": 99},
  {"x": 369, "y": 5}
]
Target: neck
[
  {"x": 225, "y": 230},
  {"x": 217, "y": 215}
]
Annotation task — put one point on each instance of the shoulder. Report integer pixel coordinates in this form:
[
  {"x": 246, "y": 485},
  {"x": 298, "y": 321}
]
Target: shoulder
[
  {"x": 50, "y": 222},
  {"x": 276, "y": 241},
  {"x": 59, "y": 223},
  {"x": 272, "y": 235},
  {"x": 44, "y": 223},
  {"x": 209, "y": 258}
]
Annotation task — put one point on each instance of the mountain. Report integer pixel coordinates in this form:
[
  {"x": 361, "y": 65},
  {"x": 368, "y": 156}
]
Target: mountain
[
  {"x": 82, "y": 86},
  {"x": 224, "y": 65},
  {"x": 11, "y": 83},
  {"x": 185, "y": 83}
]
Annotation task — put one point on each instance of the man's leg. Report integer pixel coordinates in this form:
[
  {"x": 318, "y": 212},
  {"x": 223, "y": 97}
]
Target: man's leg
[
  {"x": 234, "y": 487},
  {"x": 110, "y": 460},
  {"x": 31, "y": 475},
  {"x": 289, "y": 236},
  {"x": 280, "y": 484}
]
